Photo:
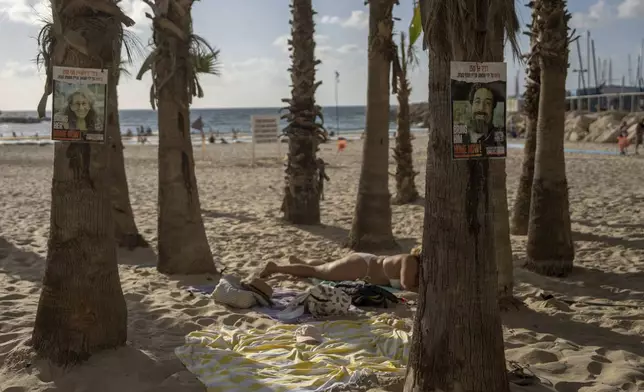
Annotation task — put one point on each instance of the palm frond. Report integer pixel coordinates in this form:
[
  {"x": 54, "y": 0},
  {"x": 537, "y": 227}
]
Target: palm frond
[{"x": 207, "y": 63}]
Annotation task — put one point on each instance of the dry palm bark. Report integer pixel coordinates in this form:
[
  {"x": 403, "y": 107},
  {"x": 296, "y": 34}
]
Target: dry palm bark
[
  {"x": 302, "y": 190},
  {"x": 125, "y": 230},
  {"x": 457, "y": 337},
  {"x": 521, "y": 208},
  {"x": 183, "y": 246},
  {"x": 406, "y": 191},
  {"x": 81, "y": 309},
  {"x": 550, "y": 247},
  {"x": 371, "y": 228}
]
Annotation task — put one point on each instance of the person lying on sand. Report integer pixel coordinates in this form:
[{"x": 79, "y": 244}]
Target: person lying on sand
[{"x": 399, "y": 271}]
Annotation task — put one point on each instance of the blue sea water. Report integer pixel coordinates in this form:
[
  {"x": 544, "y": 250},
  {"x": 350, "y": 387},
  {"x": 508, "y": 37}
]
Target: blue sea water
[{"x": 350, "y": 120}]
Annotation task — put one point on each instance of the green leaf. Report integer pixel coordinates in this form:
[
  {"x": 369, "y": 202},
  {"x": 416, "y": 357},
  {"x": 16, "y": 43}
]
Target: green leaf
[{"x": 416, "y": 26}]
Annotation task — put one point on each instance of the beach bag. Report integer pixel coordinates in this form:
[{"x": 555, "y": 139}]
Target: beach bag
[
  {"x": 326, "y": 300},
  {"x": 366, "y": 294},
  {"x": 321, "y": 300}
]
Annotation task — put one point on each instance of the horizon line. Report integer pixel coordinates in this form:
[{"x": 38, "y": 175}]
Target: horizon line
[{"x": 216, "y": 108}]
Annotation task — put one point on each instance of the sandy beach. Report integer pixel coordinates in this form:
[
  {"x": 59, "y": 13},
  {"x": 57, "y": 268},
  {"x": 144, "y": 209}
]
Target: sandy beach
[{"x": 587, "y": 338}]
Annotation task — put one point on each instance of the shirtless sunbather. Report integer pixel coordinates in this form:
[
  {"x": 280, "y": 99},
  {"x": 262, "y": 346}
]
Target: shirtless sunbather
[{"x": 400, "y": 271}]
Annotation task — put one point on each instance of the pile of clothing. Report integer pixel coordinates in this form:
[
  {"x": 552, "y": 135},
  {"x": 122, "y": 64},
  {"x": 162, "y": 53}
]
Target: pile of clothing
[
  {"x": 243, "y": 294},
  {"x": 320, "y": 300}
]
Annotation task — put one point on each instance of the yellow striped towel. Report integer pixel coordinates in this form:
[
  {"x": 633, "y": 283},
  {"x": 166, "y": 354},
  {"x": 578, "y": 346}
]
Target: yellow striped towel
[{"x": 271, "y": 361}]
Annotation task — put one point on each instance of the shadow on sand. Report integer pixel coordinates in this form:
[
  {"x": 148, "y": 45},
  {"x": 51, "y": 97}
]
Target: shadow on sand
[
  {"x": 587, "y": 282},
  {"x": 239, "y": 216},
  {"x": 609, "y": 241},
  {"x": 562, "y": 326}
]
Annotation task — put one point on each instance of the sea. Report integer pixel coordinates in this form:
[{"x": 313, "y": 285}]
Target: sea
[{"x": 349, "y": 122}]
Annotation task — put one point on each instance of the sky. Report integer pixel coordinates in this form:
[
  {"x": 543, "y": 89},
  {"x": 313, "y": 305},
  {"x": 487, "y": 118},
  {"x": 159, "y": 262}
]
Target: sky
[{"x": 251, "y": 35}]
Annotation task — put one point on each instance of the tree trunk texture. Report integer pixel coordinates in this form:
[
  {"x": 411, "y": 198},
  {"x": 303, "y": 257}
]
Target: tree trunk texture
[
  {"x": 523, "y": 195},
  {"x": 500, "y": 210},
  {"x": 457, "y": 342},
  {"x": 81, "y": 309},
  {"x": 550, "y": 247},
  {"x": 125, "y": 230},
  {"x": 301, "y": 194},
  {"x": 403, "y": 152},
  {"x": 371, "y": 228},
  {"x": 504, "y": 263},
  {"x": 183, "y": 246}
]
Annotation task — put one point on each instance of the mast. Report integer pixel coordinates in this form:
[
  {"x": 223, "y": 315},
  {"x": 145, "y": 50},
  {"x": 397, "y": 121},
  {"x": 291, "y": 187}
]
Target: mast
[
  {"x": 588, "y": 58},
  {"x": 581, "y": 69},
  {"x": 337, "y": 109},
  {"x": 592, "y": 44}
]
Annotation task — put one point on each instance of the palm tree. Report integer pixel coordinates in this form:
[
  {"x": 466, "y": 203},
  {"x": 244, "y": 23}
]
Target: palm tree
[
  {"x": 183, "y": 246},
  {"x": 371, "y": 228},
  {"x": 521, "y": 209},
  {"x": 301, "y": 203},
  {"x": 126, "y": 233},
  {"x": 403, "y": 152},
  {"x": 81, "y": 309},
  {"x": 463, "y": 349},
  {"x": 550, "y": 248}
]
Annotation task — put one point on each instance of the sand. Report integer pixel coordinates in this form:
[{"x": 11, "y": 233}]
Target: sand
[{"x": 589, "y": 338}]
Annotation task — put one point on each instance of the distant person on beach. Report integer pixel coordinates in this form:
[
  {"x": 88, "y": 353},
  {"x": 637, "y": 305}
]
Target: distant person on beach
[
  {"x": 639, "y": 135},
  {"x": 211, "y": 139},
  {"x": 80, "y": 112},
  {"x": 321, "y": 176},
  {"x": 622, "y": 142},
  {"x": 342, "y": 144},
  {"x": 400, "y": 271},
  {"x": 235, "y": 131}
]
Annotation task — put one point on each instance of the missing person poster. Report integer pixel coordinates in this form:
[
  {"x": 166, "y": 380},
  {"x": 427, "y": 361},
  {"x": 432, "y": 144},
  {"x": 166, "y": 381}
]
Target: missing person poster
[
  {"x": 478, "y": 110},
  {"x": 79, "y": 104}
]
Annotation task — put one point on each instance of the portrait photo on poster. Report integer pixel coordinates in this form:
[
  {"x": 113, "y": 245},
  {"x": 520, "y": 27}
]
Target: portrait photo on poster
[
  {"x": 79, "y": 104},
  {"x": 478, "y": 94}
]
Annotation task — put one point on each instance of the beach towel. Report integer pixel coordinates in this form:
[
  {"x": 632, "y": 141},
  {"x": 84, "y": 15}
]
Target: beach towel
[{"x": 273, "y": 361}]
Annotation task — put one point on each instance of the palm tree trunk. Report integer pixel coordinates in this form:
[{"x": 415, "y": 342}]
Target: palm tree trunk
[
  {"x": 81, "y": 309},
  {"x": 550, "y": 248},
  {"x": 183, "y": 246},
  {"x": 521, "y": 209},
  {"x": 371, "y": 228},
  {"x": 125, "y": 230},
  {"x": 463, "y": 349},
  {"x": 503, "y": 246},
  {"x": 301, "y": 193},
  {"x": 499, "y": 192},
  {"x": 403, "y": 152}
]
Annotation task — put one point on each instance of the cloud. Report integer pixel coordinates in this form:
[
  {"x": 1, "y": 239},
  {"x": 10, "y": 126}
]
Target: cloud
[
  {"x": 357, "y": 20},
  {"x": 598, "y": 14},
  {"x": 349, "y": 48},
  {"x": 34, "y": 11},
  {"x": 282, "y": 41},
  {"x": 631, "y": 9},
  {"x": 24, "y": 11},
  {"x": 330, "y": 20},
  {"x": 15, "y": 70}
]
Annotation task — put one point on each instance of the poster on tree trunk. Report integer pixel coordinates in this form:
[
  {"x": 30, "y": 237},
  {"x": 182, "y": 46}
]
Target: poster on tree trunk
[
  {"x": 79, "y": 104},
  {"x": 478, "y": 110}
]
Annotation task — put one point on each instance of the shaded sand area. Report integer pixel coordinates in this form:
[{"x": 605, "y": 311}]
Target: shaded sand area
[{"x": 587, "y": 338}]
